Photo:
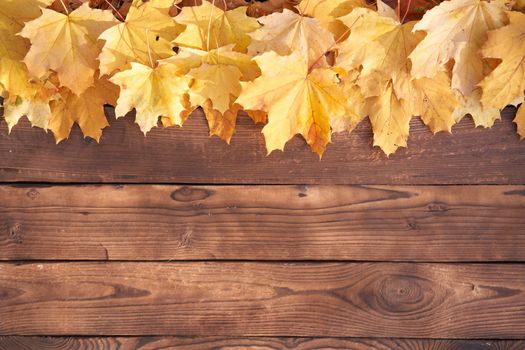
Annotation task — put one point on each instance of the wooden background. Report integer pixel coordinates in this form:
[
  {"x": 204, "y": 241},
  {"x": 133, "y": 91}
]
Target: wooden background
[{"x": 178, "y": 241}]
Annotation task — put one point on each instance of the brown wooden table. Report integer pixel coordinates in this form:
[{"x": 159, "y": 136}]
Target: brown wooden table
[{"x": 178, "y": 241}]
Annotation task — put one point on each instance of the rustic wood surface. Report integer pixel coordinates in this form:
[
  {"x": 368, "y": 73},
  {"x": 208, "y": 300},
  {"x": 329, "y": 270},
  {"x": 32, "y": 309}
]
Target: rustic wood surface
[
  {"x": 264, "y": 299},
  {"x": 161, "y": 222},
  {"x": 188, "y": 155},
  {"x": 174, "y": 343},
  {"x": 356, "y": 251}
]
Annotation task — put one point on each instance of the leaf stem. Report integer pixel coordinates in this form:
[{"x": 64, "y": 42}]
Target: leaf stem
[
  {"x": 406, "y": 11},
  {"x": 119, "y": 15},
  {"x": 65, "y": 7}
]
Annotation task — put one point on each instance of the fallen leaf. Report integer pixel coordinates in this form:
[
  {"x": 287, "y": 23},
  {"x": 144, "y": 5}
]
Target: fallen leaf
[
  {"x": 209, "y": 27},
  {"x": 153, "y": 93},
  {"x": 297, "y": 100},
  {"x": 144, "y": 37},
  {"x": 456, "y": 31},
  {"x": 66, "y": 44}
]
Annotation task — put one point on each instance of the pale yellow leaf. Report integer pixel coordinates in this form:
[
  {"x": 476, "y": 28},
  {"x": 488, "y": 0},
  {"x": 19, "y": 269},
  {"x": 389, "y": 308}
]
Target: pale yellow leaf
[
  {"x": 209, "y": 27},
  {"x": 507, "y": 81},
  {"x": 456, "y": 30},
  {"x": 289, "y": 32},
  {"x": 67, "y": 44},
  {"x": 153, "y": 93},
  {"x": 471, "y": 105},
  {"x": 145, "y": 35},
  {"x": 390, "y": 119}
]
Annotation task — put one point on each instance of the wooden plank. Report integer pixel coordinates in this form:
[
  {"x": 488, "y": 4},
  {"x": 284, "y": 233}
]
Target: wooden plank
[
  {"x": 264, "y": 299},
  {"x": 161, "y": 222},
  {"x": 173, "y": 343},
  {"x": 188, "y": 155}
]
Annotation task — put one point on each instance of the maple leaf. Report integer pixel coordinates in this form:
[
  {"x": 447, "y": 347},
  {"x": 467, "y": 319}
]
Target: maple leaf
[
  {"x": 507, "y": 81},
  {"x": 36, "y": 108},
  {"x": 328, "y": 11},
  {"x": 471, "y": 105},
  {"x": 289, "y": 32},
  {"x": 66, "y": 44},
  {"x": 209, "y": 27},
  {"x": 144, "y": 36},
  {"x": 86, "y": 109},
  {"x": 153, "y": 93},
  {"x": 379, "y": 45},
  {"x": 456, "y": 31},
  {"x": 297, "y": 100},
  {"x": 390, "y": 119},
  {"x": 216, "y": 84},
  {"x": 13, "y": 73}
]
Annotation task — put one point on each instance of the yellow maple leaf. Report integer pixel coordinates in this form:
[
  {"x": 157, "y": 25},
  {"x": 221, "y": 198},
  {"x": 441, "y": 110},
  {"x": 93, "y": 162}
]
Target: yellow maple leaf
[
  {"x": 153, "y": 93},
  {"x": 289, "y": 32},
  {"x": 36, "y": 108},
  {"x": 456, "y": 31},
  {"x": 209, "y": 27},
  {"x": 507, "y": 81},
  {"x": 328, "y": 11},
  {"x": 66, "y": 44},
  {"x": 379, "y": 45},
  {"x": 86, "y": 109},
  {"x": 434, "y": 101},
  {"x": 13, "y": 48},
  {"x": 298, "y": 100},
  {"x": 390, "y": 119},
  {"x": 471, "y": 105},
  {"x": 216, "y": 84},
  {"x": 145, "y": 35}
]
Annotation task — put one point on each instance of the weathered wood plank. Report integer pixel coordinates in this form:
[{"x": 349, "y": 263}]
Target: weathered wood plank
[
  {"x": 162, "y": 222},
  {"x": 264, "y": 299},
  {"x": 174, "y": 343},
  {"x": 188, "y": 155}
]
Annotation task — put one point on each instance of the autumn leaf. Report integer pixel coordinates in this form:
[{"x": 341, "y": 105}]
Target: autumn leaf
[
  {"x": 66, "y": 44},
  {"x": 390, "y": 119},
  {"x": 208, "y": 27},
  {"x": 36, "y": 108},
  {"x": 216, "y": 84},
  {"x": 14, "y": 76},
  {"x": 86, "y": 109},
  {"x": 297, "y": 100},
  {"x": 456, "y": 31},
  {"x": 144, "y": 36},
  {"x": 379, "y": 46},
  {"x": 328, "y": 12},
  {"x": 289, "y": 32},
  {"x": 507, "y": 81},
  {"x": 471, "y": 105},
  {"x": 153, "y": 93}
]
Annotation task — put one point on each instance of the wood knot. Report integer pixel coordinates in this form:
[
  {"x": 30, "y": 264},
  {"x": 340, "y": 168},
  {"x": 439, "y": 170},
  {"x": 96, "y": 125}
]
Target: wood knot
[
  {"x": 32, "y": 194},
  {"x": 15, "y": 233},
  {"x": 404, "y": 294},
  {"x": 400, "y": 294},
  {"x": 190, "y": 194},
  {"x": 437, "y": 207},
  {"x": 412, "y": 224}
]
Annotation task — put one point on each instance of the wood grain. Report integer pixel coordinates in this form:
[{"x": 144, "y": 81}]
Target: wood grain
[
  {"x": 160, "y": 222},
  {"x": 264, "y": 299},
  {"x": 174, "y": 343},
  {"x": 188, "y": 155}
]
